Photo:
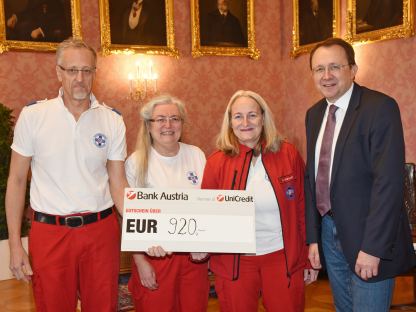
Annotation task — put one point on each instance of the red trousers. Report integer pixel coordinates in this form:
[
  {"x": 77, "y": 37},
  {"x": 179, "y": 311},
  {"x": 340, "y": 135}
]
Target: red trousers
[
  {"x": 262, "y": 276},
  {"x": 183, "y": 286},
  {"x": 79, "y": 262}
]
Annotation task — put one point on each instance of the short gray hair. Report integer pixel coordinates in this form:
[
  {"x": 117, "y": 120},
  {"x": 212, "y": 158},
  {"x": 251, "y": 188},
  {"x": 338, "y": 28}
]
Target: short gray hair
[{"x": 76, "y": 44}]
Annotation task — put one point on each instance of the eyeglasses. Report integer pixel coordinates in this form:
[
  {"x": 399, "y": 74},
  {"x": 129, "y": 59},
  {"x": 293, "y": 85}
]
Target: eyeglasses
[
  {"x": 250, "y": 117},
  {"x": 164, "y": 120},
  {"x": 72, "y": 71},
  {"x": 332, "y": 68}
]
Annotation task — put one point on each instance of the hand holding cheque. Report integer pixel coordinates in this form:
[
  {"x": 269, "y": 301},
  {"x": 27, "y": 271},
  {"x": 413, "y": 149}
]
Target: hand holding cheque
[{"x": 188, "y": 221}]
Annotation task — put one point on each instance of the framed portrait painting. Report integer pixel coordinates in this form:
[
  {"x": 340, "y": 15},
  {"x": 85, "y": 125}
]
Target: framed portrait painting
[
  {"x": 223, "y": 27},
  {"x": 374, "y": 20},
  {"x": 38, "y": 24},
  {"x": 137, "y": 26},
  {"x": 313, "y": 22}
]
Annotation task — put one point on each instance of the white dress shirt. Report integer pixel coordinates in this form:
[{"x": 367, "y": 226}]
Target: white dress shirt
[{"x": 342, "y": 105}]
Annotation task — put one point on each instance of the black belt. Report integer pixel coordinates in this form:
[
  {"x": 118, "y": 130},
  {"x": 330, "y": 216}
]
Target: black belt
[
  {"x": 330, "y": 213},
  {"x": 74, "y": 220}
]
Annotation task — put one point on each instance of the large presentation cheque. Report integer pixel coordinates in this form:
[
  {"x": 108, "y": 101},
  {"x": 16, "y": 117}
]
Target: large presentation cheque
[{"x": 188, "y": 220}]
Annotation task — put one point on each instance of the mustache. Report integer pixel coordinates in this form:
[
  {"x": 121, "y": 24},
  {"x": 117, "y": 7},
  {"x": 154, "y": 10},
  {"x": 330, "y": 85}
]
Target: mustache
[{"x": 79, "y": 84}]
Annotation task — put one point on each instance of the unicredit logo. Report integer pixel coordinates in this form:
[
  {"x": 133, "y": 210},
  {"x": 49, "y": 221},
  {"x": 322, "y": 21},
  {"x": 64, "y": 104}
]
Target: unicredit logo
[
  {"x": 131, "y": 195},
  {"x": 220, "y": 198},
  {"x": 235, "y": 198}
]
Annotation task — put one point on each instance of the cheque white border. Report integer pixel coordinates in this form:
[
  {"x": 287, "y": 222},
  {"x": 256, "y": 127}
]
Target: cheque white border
[{"x": 189, "y": 220}]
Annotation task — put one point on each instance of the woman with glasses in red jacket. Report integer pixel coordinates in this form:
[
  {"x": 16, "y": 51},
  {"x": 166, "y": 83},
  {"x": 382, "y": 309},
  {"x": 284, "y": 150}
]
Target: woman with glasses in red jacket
[{"x": 252, "y": 156}]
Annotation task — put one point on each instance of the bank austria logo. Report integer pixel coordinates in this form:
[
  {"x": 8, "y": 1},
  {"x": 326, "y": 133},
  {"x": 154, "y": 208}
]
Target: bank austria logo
[
  {"x": 220, "y": 197},
  {"x": 140, "y": 195},
  {"x": 131, "y": 195}
]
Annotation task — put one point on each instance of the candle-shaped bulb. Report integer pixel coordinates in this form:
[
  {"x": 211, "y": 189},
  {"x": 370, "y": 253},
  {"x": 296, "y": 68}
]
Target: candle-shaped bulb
[
  {"x": 130, "y": 76},
  {"x": 138, "y": 69}
]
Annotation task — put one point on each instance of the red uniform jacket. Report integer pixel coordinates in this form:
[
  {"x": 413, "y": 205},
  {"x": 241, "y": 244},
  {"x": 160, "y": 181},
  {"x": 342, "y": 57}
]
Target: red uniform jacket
[{"x": 285, "y": 169}]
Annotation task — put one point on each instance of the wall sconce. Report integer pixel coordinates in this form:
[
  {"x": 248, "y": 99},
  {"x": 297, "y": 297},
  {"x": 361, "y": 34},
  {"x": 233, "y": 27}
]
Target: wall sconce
[{"x": 143, "y": 82}]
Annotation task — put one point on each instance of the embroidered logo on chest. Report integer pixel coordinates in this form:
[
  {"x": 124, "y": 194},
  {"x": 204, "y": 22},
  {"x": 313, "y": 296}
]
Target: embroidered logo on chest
[
  {"x": 286, "y": 178},
  {"x": 192, "y": 177},
  {"x": 290, "y": 192},
  {"x": 100, "y": 140}
]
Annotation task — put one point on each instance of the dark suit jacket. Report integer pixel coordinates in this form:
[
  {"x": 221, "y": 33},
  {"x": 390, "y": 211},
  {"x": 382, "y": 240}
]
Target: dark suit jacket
[
  {"x": 220, "y": 30},
  {"x": 366, "y": 188},
  {"x": 151, "y": 29},
  {"x": 314, "y": 28},
  {"x": 46, "y": 14},
  {"x": 384, "y": 13}
]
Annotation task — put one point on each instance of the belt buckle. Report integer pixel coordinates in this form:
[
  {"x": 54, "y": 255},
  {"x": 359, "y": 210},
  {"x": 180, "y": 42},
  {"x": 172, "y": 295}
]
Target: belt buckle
[{"x": 76, "y": 219}]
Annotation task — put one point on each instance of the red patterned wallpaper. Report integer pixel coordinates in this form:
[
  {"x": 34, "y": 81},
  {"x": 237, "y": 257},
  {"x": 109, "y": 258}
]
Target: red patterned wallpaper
[{"x": 205, "y": 84}]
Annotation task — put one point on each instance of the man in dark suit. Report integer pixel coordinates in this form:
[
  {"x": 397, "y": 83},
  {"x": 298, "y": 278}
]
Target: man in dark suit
[
  {"x": 38, "y": 20},
  {"x": 384, "y": 13},
  {"x": 315, "y": 21},
  {"x": 354, "y": 184},
  {"x": 143, "y": 22},
  {"x": 222, "y": 28}
]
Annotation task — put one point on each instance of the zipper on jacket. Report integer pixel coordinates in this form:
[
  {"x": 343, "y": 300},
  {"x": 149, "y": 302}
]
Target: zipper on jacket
[
  {"x": 251, "y": 152},
  {"x": 234, "y": 177},
  {"x": 236, "y": 264},
  {"x": 281, "y": 223},
  {"x": 236, "y": 267}
]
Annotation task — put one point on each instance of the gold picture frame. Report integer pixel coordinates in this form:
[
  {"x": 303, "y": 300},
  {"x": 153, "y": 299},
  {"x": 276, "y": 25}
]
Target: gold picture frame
[
  {"x": 312, "y": 24},
  {"x": 118, "y": 37},
  {"x": 368, "y": 23},
  {"x": 37, "y": 27},
  {"x": 236, "y": 43}
]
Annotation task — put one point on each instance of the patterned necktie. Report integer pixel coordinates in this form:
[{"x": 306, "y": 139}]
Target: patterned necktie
[{"x": 322, "y": 178}]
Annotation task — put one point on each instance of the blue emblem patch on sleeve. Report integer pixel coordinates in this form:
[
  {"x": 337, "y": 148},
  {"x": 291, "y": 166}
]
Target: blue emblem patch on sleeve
[{"x": 100, "y": 140}]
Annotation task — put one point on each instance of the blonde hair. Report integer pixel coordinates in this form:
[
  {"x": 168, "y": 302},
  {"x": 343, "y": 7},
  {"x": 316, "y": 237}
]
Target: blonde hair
[
  {"x": 144, "y": 139},
  {"x": 227, "y": 141}
]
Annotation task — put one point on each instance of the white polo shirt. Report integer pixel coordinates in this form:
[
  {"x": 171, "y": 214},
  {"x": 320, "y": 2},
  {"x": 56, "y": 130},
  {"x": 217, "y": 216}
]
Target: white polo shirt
[
  {"x": 184, "y": 170},
  {"x": 69, "y": 157}
]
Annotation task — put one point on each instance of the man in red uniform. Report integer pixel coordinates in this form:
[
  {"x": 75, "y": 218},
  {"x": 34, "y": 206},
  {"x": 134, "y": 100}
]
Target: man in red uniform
[{"x": 75, "y": 148}]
